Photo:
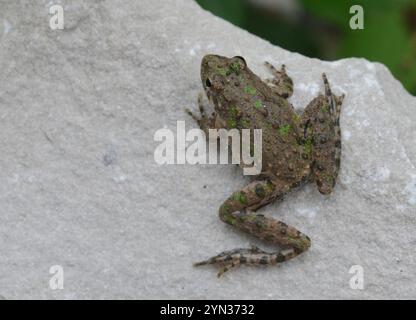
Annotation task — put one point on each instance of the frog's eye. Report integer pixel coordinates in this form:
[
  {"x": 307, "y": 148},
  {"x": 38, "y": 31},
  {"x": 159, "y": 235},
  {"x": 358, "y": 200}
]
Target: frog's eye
[
  {"x": 208, "y": 82},
  {"x": 241, "y": 59}
]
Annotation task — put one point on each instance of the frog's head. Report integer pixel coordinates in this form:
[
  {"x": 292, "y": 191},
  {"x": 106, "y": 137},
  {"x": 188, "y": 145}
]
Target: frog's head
[{"x": 218, "y": 72}]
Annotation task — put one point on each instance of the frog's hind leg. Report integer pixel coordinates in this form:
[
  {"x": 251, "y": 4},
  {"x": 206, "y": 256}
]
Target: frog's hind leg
[
  {"x": 281, "y": 83},
  {"x": 322, "y": 137},
  {"x": 237, "y": 211},
  {"x": 204, "y": 121}
]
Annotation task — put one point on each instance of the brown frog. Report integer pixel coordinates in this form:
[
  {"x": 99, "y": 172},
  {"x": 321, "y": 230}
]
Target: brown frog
[{"x": 297, "y": 148}]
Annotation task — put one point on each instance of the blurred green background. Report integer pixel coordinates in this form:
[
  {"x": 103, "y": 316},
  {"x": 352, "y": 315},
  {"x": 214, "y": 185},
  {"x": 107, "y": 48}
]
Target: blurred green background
[{"x": 321, "y": 29}]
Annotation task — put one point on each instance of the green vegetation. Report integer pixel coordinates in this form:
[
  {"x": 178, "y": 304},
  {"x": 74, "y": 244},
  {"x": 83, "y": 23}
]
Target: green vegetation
[{"x": 321, "y": 29}]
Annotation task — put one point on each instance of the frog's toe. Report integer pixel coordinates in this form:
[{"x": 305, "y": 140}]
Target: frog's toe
[
  {"x": 226, "y": 260},
  {"x": 202, "y": 263},
  {"x": 201, "y": 104},
  {"x": 255, "y": 249},
  {"x": 335, "y": 102},
  {"x": 270, "y": 66},
  {"x": 222, "y": 258},
  {"x": 281, "y": 83},
  {"x": 192, "y": 114},
  {"x": 340, "y": 99},
  {"x": 227, "y": 267}
]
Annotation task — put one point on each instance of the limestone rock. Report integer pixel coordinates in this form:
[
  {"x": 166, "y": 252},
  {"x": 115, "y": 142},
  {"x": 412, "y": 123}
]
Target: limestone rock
[{"x": 80, "y": 187}]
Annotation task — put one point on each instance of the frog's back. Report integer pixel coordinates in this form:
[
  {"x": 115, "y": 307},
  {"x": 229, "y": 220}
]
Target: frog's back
[{"x": 260, "y": 108}]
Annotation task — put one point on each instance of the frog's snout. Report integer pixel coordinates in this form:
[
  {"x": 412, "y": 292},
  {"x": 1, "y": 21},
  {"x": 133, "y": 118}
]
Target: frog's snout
[
  {"x": 209, "y": 57},
  {"x": 213, "y": 68},
  {"x": 209, "y": 63}
]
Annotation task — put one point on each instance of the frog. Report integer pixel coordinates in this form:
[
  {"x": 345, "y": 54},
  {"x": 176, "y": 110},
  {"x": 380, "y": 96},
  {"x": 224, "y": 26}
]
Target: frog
[{"x": 298, "y": 147}]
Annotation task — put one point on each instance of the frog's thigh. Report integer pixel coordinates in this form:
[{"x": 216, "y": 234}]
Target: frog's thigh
[
  {"x": 233, "y": 212},
  {"x": 281, "y": 83},
  {"x": 322, "y": 131}
]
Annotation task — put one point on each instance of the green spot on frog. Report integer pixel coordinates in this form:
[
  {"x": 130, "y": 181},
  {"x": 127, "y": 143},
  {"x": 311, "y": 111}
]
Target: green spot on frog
[
  {"x": 250, "y": 90},
  {"x": 297, "y": 243},
  {"x": 240, "y": 197},
  {"x": 328, "y": 178},
  {"x": 308, "y": 146},
  {"x": 324, "y": 109},
  {"x": 229, "y": 219},
  {"x": 232, "y": 114},
  {"x": 235, "y": 67},
  {"x": 232, "y": 111},
  {"x": 296, "y": 118},
  {"x": 258, "y": 104},
  {"x": 244, "y": 123},
  {"x": 269, "y": 187},
  {"x": 232, "y": 123},
  {"x": 284, "y": 130},
  {"x": 222, "y": 71},
  {"x": 225, "y": 209}
]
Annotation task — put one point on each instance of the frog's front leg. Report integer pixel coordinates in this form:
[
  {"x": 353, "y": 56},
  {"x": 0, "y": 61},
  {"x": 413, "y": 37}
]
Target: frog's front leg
[
  {"x": 237, "y": 211},
  {"x": 281, "y": 83},
  {"x": 205, "y": 122}
]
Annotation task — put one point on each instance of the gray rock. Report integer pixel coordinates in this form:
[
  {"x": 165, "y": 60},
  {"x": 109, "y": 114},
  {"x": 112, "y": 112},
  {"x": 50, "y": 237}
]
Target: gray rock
[{"x": 80, "y": 187}]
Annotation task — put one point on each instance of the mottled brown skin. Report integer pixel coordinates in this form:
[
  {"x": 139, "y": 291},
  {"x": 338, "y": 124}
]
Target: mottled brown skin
[{"x": 296, "y": 149}]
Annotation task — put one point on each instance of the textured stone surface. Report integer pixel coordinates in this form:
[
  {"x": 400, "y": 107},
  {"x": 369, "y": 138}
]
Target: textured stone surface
[{"x": 79, "y": 186}]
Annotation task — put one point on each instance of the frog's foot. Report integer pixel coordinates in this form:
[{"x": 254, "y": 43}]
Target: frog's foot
[
  {"x": 323, "y": 133},
  {"x": 281, "y": 83},
  {"x": 253, "y": 256},
  {"x": 204, "y": 121},
  {"x": 231, "y": 255},
  {"x": 226, "y": 260}
]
